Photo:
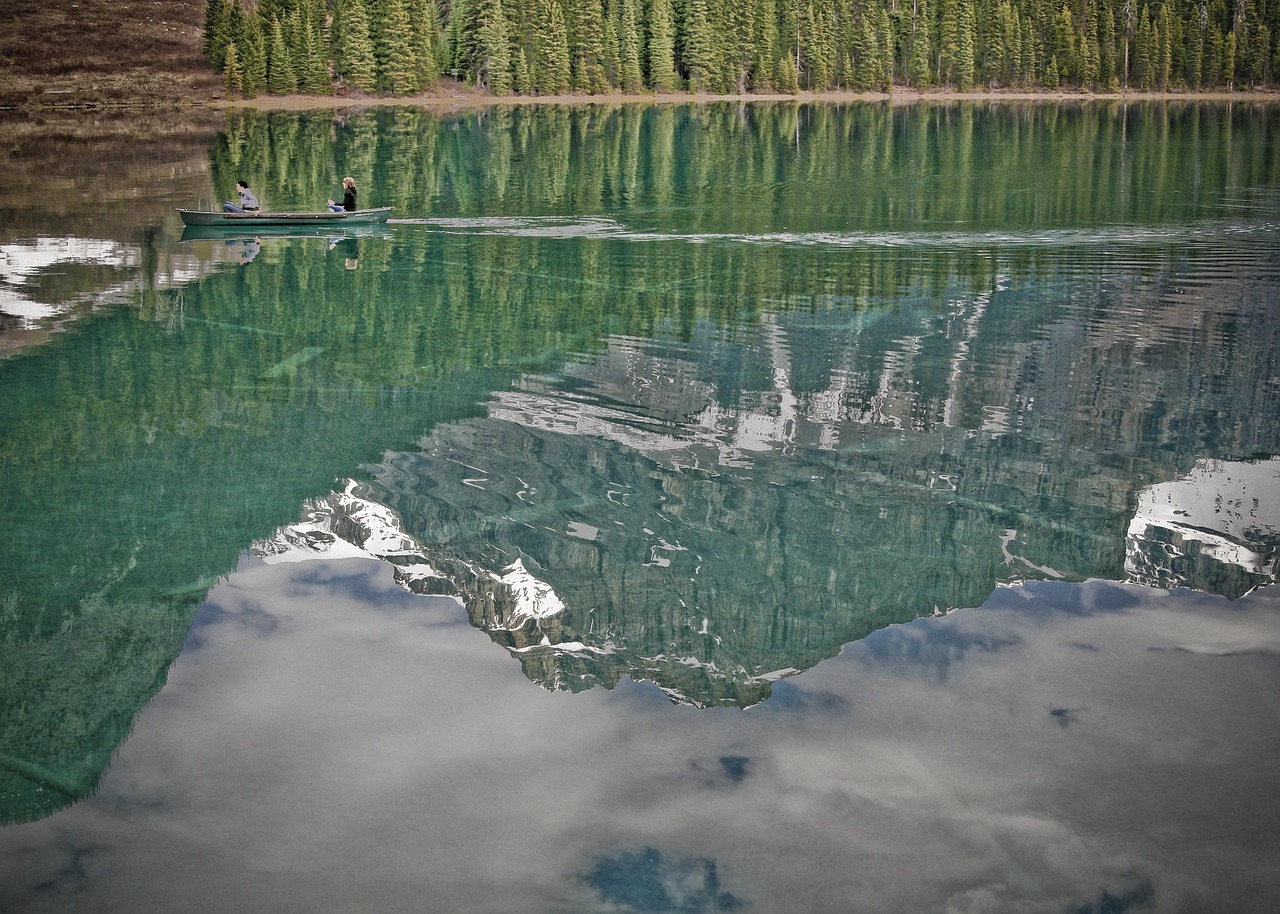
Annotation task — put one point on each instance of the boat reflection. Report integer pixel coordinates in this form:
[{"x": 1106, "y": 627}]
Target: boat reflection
[
  {"x": 241, "y": 233},
  {"x": 241, "y": 246}
]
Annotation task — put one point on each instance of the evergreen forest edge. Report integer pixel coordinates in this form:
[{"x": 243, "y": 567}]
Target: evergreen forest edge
[{"x": 592, "y": 47}]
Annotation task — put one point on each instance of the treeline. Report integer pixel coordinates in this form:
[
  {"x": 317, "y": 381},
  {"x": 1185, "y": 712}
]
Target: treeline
[
  {"x": 548, "y": 47},
  {"x": 723, "y": 169}
]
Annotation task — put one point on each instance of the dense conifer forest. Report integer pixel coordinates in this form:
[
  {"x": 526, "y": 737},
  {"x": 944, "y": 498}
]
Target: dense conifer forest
[{"x": 552, "y": 47}]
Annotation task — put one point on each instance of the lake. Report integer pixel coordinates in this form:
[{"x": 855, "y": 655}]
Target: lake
[{"x": 685, "y": 508}]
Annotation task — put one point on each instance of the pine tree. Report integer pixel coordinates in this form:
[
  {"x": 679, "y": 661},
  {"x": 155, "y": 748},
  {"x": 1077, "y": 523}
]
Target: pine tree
[
  {"x": 1051, "y": 79},
  {"x": 587, "y": 48},
  {"x": 864, "y": 60},
  {"x": 1229, "y": 61},
  {"x": 804, "y": 41},
  {"x": 789, "y": 44},
  {"x": 522, "y": 71},
  {"x": 1253, "y": 43},
  {"x": 1164, "y": 46},
  {"x": 1091, "y": 53},
  {"x": 275, "y": 9},
  {"x": 425, "y": 25},
  {"x": 948, "y": 41},
  {"x": 493, "y": 62},
  {"x": 743, "y": 45},
  {"x": 296, "y": 40},
  {"x": 397, "y": 65},
  {"x": 662, "y": 47},
  {"x": 1129, "y": 13},
  {"x": 992, "y": 45},
  {"x": 1144, "y": 54},
  {"x": 315, "y": 69},
  {"x": 1195, "y": 47},
  {"x": 1108, "y": 73},
  {"x": 281, "y": 77},
  {"x": 822, "y": 49},
  {"x": 1063, "y": 48},
  {"x": 764, "y": 45},
  {"x": 229, "y": 31},
  {"x": 632, "y": 79},
  {"x": 787, "y": 77},
  {"x": 232, "y": 73},
  {"x": 254, "y": 57},
  {"x": 1013, "y": 50},
  {"x": 215, "y": 17},
  {"x": 551, "y": 70},
  {"x": 736, "y": 50},
  {"x": 920, "y": 68},
  {"x": 355, "y": 57},
  {"x": 457, "y": 39},
  {"x": 1214, "y": 53},
  {"x": 699, "y": 48},
  {"x": 885, "y": 82},
  {"x": 966, "y": 59},
  {"x": 609, "y": 42}
]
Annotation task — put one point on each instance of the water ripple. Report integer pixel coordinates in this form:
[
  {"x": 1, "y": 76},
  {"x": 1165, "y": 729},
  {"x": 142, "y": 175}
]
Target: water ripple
[{"x": 1092, "y": 236}]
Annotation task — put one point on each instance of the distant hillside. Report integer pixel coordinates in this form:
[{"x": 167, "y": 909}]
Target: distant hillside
[{"x": 104, "y": 53}]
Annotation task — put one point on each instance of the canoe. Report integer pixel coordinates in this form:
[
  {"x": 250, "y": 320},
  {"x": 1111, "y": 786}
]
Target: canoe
[
  {"x": 329, "y": 229},
  {"x": 240, "y": 220}
]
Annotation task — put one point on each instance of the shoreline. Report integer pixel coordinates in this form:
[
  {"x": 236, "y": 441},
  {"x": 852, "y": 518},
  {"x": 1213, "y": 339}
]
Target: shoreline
[
  {"x": 463, "y": 99},
  {"x": 458, "y": 97}
]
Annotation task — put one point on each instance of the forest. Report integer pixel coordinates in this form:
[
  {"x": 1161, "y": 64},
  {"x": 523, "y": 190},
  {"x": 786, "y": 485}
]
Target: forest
[{"x": 593, "y": 47}]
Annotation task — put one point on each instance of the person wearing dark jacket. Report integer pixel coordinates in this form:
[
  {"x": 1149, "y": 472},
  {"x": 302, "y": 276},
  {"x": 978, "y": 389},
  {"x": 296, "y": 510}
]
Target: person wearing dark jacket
[{"x": 348, "y": 197}]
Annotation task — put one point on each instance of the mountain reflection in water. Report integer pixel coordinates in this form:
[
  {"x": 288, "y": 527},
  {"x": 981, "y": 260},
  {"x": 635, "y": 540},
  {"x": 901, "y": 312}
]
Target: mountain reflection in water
[{"x": 623, "y": 520}]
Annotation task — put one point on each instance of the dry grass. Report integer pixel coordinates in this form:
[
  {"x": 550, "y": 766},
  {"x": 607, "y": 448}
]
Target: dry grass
[{"x": 88, "y": 54}]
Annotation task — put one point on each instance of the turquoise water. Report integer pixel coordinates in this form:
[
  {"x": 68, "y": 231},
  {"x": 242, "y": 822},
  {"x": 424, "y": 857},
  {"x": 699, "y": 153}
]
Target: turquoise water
[{"x": 632, "y": 496}]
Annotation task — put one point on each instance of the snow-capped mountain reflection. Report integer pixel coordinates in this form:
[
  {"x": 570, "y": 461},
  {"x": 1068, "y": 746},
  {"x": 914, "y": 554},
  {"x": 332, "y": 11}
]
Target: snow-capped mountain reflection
[
  {"x": 636, "y": 516},
  {"x": 1215, "y": 529}
]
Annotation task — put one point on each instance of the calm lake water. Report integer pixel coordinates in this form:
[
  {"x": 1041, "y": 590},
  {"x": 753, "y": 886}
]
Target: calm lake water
[{"x": 672, "y": 509}]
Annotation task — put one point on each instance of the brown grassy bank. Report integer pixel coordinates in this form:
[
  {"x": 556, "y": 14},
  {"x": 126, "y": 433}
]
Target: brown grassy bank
[{"x": 93, "y": 54}]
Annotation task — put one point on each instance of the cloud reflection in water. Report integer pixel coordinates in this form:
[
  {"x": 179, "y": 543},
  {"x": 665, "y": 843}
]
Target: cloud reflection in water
[{"x": 367, "y": 751}]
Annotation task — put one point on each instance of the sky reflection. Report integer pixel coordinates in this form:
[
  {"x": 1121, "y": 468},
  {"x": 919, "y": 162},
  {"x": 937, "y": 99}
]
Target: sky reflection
[{"x": 330, "y": 741}]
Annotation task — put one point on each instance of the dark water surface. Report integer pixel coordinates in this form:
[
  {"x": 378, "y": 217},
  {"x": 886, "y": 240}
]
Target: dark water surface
[{"x": 769, "y": 508}]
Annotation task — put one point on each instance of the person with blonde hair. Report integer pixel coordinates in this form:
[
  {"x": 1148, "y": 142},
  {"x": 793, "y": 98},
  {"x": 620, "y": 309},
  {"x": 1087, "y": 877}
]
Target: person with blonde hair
[{"x": 348, "y": 197}]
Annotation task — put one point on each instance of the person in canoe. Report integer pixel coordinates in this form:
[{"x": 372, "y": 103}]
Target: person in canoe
[
  {"x": 349, "y": 250},
  {"x": 249, "y": 249},
  {"x": 248, "y": 202},
  {"x": 348, "y": 197}
]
